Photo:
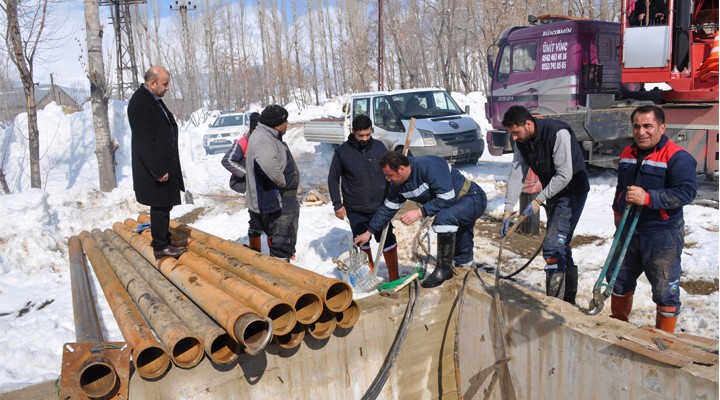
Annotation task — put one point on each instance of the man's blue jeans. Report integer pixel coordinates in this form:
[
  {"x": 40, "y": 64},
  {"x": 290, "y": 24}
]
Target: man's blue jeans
[
  {"x": 657, "y": 254},
  {"x": 563, "y": 214}
]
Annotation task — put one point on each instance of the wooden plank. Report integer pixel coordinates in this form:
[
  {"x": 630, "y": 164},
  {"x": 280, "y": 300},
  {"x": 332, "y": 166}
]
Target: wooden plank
[{"x": 670, "y": 349}]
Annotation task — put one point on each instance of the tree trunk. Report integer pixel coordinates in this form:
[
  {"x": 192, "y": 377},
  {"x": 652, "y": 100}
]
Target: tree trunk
[
  {"x": 22, "y": 54},
  {"x": 104, "y": 149},
  {"x": 323, "y": 46},
  {"x": 3, "y": 182},
  {"x": 312, "y": 55}
]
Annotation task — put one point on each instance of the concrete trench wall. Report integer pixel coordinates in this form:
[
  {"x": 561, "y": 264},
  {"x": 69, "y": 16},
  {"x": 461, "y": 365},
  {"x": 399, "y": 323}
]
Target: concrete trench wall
[{"x": 556, "y": 352}]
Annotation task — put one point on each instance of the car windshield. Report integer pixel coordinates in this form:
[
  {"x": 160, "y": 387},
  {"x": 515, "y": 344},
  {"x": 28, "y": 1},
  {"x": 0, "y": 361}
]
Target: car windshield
[
  {"x": 428, "y": 104},
  {"x": 227, "y": 120}
]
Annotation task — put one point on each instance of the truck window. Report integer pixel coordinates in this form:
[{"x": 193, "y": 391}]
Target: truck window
[
  {"x": 639, "y": 15},
  {"x": 361, "y": 107},
  {"x": 524, "y": 57},
  {"x": 384, "y": 115},
  {"x": 504, "y": 67},
  {"x": 442, "y": 102}
]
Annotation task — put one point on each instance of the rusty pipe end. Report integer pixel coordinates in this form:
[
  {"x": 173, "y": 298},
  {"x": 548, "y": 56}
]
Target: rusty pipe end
[
  {"x": 293, "y": 339},
  {"x": 348, "y": 317},
  {"x": 150, "y": 359},
  {"x": 283, "y": 318},
  {"x": 324, "y": 326},
  {"x": 98, "y": 377},
  {"x": 188, "y": 352},
  {"x": 338, "y": 296},
  {"x": 308, "y": 307},
  {"x": 222, "y": 349},
  {"x": 253, "y": 332}
]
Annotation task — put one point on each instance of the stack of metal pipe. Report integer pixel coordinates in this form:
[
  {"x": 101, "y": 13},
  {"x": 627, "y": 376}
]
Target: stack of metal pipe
[
  {"x": 218, "y": 298},
  {"x": 321, "y": 304}
]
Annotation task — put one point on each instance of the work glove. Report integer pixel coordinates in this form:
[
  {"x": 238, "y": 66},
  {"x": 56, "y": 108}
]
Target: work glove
[
  {"x": 505, "y": 227},
  {"x": 532, "y": 208}
]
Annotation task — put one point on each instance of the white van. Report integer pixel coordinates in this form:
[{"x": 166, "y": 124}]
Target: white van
[{"x": 441, "y": 127}]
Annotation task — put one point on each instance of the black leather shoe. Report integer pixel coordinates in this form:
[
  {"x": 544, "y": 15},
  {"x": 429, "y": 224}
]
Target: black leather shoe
[
  {"x": 179, "y": 243},
  {"x": 169, "y": 251}
]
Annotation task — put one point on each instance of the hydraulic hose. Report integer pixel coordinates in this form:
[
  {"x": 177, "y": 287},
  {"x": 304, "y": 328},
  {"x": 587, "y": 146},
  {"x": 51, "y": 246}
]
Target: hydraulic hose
[{"x": 379, "y": 382}]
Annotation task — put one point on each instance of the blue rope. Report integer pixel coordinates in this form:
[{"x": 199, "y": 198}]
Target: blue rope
[{"x": 142, "y": 227}]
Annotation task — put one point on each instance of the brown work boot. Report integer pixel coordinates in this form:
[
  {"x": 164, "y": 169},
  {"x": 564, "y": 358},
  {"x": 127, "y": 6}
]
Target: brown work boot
[
  {"x": 368, "y": 251},
  {"x": 621, "y": 306},
  {"x": 391, "y": 261},
  {"x": 168, "y": 251},
  {"x": 255, "y": 243},
  {"x": 179, "y": 242},
  {"x": 666, "y": 318}
]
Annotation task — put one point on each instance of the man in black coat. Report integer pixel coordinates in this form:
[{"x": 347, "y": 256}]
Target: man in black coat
[
  {"x": 355, "y": 163},
  {"x": 157, "y": 176}
]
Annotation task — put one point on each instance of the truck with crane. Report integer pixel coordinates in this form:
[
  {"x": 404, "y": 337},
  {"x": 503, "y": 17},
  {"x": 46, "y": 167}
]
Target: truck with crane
[{"x": 591, "y": 74}]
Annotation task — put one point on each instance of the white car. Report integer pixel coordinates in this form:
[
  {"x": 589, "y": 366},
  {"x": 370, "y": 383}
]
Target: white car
[{"x": 226, "y": 129}]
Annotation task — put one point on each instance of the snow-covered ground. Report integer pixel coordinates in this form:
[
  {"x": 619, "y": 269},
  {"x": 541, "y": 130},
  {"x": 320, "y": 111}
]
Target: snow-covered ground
[{"x": 35, "y": 300}]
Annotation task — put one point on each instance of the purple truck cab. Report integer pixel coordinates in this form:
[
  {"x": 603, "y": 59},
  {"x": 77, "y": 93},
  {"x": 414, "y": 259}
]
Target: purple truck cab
[{"x": 551, "y": 68}]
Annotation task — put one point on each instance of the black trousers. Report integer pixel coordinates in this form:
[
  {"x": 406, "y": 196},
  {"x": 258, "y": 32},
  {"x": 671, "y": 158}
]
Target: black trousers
[
  {"x": 160, "y": 226},
  {"x": 281, "y": 227}
]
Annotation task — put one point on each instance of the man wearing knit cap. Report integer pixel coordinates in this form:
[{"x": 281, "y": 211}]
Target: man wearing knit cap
[{"x": 272, "y": 182}]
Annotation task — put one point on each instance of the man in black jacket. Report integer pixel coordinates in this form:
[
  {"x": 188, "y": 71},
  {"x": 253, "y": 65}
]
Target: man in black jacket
[
  {"x": 157, "y": 175},
  {"x": 550, "y": 148},
  {"x": 355, "y": 163}
]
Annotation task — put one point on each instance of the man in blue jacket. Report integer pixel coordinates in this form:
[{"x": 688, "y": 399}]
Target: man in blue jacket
[
  {"x": 550, "y": 148},
  {"x": 443, "y": 192},
  {"x": 355, "y": 168},
  {"x": 660, "y": 176}
]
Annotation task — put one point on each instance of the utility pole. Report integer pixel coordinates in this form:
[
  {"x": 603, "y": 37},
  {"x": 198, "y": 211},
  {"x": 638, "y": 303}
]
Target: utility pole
[
  {"x": 190, "y": 63},
  {"x": 381, "y": 48},
  {"x": 127, "y": 72}
]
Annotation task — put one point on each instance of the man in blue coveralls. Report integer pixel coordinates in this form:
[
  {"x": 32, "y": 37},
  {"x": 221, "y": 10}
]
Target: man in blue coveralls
[
  {"x": 443, "y": 192},
  {"x": 660, "y": 176}
]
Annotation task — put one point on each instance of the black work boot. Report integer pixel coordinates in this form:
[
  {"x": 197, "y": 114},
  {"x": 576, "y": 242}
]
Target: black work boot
[
  {"x": 571, "y": 281},
  {"x": 443, "y": 268},
  {"x": 555, "y": 284}
]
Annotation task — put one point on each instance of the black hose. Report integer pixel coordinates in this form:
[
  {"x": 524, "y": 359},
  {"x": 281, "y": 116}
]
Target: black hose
[
  {"x": 379, "y": 382},
  {"x": 519, "y": 270}
]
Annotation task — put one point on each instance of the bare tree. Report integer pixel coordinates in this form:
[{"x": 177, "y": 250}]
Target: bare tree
[
  {"x": 297, "y": 65},
  {"x": 25, "y": 18},
  {"x": 312, "y": 56},
  {"x": 104, "y": 146},
  {"x": 324, "y": 48}
]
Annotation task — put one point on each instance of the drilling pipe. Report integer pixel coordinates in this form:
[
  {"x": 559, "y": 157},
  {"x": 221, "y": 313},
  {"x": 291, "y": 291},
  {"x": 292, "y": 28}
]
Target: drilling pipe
[
  {"x": 280, "y": 312},
  {"x": 97, "y": 374},
  {"x": 246, "y": 327},
  {"x": 219, "y": 346},
  {"x": 148, "y": 354},
  {"x": 308, "y": 305},
  {"x": 348, "y": 317},
  {"x": 335, "y": 293},
  {"x": 186, "y": 348},
  {"x": 293, "y": 339},
  {"x": 324, "y": 326}
]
